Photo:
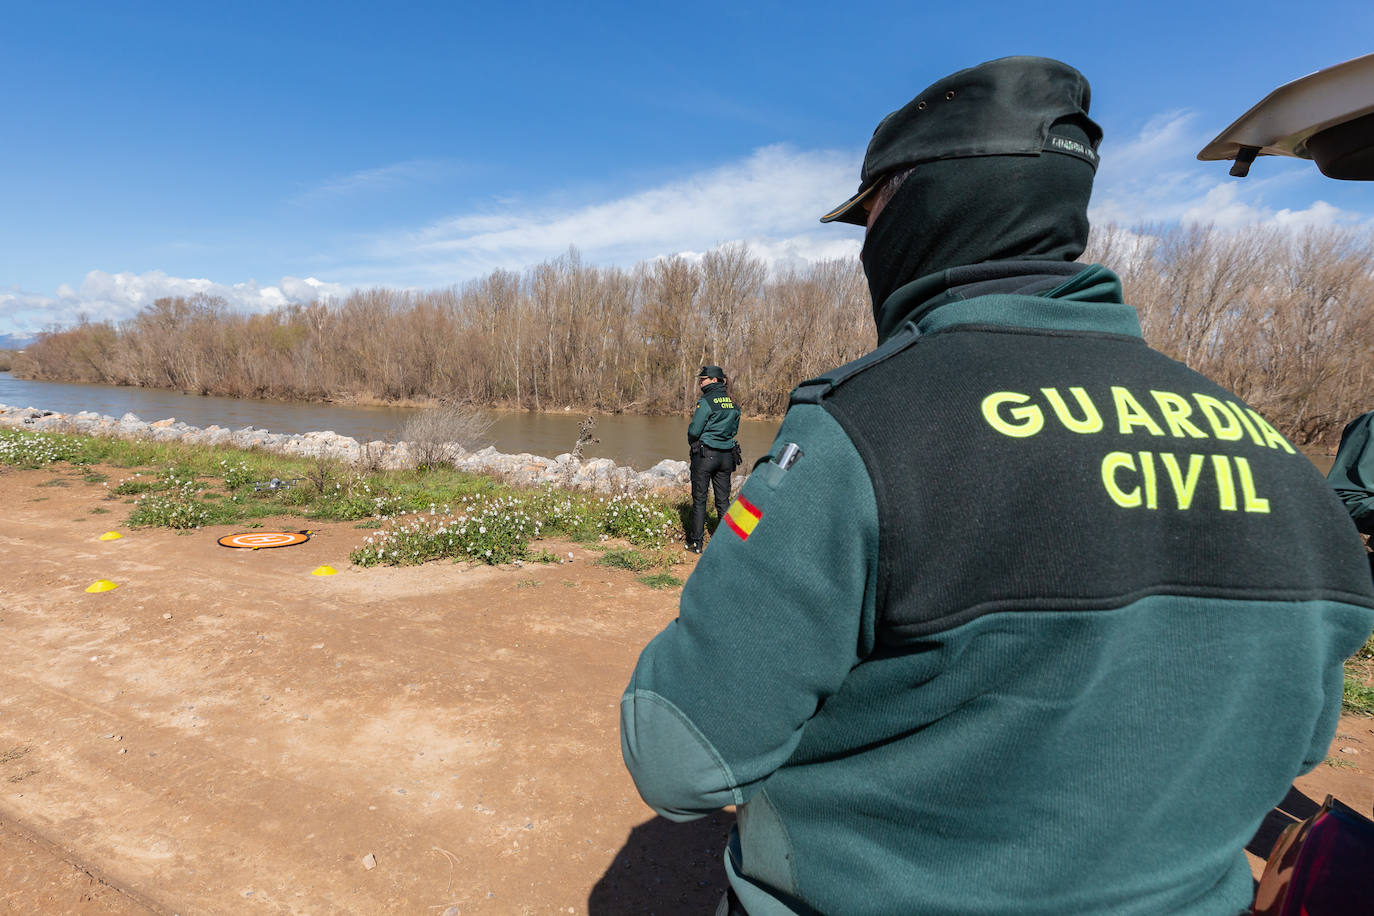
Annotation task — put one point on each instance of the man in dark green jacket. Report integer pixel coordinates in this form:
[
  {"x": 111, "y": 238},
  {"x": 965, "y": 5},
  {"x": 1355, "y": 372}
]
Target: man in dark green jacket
[
  {"x": 711, "y": 444},
  {"x": 1018, "y": 615}
]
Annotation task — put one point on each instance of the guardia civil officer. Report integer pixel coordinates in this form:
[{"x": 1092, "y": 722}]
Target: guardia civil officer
[
  {"x": 714, "y": 451},
  {"x": 1019, "y": 615}
]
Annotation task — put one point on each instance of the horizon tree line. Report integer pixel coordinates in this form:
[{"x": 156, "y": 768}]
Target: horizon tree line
[{"x": 1280, "y": 317}]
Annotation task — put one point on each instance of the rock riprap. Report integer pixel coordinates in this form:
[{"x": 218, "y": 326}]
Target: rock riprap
[{"x": 598, "y": 474}]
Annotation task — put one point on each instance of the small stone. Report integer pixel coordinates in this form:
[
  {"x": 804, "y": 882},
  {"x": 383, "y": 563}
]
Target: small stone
[
  {"x": 124, "y": 750},
  {"x": 369, "y": 861},
  {"x": 166, "y": 616},
  {"x": 1349, "y": 750}
]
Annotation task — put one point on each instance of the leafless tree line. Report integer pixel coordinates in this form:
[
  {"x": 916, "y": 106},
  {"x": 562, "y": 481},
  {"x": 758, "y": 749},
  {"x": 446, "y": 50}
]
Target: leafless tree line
[
  {"x": 1281, "y": 317},
  {"x": 562, "y": 333}
]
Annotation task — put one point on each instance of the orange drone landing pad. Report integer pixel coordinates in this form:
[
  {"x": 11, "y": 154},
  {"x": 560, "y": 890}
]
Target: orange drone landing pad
[{"x": 260, "y": 540}]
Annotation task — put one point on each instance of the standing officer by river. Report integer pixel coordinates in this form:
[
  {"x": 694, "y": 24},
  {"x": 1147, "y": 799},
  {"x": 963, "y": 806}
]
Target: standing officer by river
[
  {"x": 1018, "y": 616},
  {"x": 714, "y": 452}
]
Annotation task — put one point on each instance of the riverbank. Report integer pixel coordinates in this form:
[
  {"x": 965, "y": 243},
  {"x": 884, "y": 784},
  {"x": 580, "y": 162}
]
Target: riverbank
[
  {"x": 628, "y": 440},
  {"x": 524, "y": 469}
]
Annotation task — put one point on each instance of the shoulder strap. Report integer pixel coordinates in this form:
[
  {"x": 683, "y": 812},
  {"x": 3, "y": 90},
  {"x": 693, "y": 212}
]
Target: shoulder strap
[{"x": 813, "y": 391}]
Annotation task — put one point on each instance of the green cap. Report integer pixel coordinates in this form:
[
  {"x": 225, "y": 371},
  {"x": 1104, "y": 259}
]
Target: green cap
[
  {"x": 711, "y": 372},
  {"x": 1005, "y": 107}
]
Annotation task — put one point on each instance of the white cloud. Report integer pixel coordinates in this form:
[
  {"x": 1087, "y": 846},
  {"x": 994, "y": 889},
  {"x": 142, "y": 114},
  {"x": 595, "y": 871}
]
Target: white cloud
[
  {"x": 383, "y": 178},
  {"x": 113, "y": 297},
  {"x": 1155, "y": 177},
  {"x": 773, "y": 200}
]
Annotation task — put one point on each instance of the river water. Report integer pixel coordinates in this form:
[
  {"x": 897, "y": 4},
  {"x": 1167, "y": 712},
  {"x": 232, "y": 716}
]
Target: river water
[{"x": 639, "y": 442}]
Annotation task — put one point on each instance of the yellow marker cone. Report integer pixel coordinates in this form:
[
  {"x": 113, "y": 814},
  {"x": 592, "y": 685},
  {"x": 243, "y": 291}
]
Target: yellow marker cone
[
  {"x": 111, "y": 536},
  {"x": 324, "y": 571},
  {"x": 102, "y": 585}
]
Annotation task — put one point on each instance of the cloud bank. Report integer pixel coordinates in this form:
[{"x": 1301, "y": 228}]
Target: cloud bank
[
  {"x": 1154, "y": 177},
  {"x": 113, "y": 297},
  {"x": 770, "y": 200}
]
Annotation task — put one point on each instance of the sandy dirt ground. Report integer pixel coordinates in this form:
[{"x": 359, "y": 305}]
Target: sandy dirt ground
[{"x": 226, "y": 733}]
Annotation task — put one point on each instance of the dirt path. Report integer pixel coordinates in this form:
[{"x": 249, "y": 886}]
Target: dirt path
[
  {"x": 226, "y": 733},
  {"x": 225, "y": 729}
]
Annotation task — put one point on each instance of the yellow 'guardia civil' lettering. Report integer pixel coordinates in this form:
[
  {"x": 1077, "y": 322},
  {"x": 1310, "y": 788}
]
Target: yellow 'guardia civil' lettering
[
  {"x": 1133, "y": 481},
  {"x": 1020, "y": 415}
]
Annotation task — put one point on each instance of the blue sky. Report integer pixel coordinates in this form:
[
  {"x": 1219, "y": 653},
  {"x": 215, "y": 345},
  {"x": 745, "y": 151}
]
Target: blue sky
[{"x": 270, "y": 152}]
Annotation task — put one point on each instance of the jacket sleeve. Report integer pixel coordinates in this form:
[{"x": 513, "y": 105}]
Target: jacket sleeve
[
  {"x": 779, "y": 609},
  {"x": 1347, "y": 630},
  {"x": 1352, "y": 472},
  {"x": 698, "y": 424}
]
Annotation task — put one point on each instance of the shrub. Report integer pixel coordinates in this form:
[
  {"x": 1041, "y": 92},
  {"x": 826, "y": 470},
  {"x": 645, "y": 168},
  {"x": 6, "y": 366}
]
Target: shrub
[
  {"x": 639, "y": 520},
  {"x": 577, "y": 516},
  {"x": 25, "y": 449},
  {"x": 176, "y": 507},
  {"x": 489, "y": 530},
  {"x": 437, "y": 436},
  {"x": 236, "y": 475}
]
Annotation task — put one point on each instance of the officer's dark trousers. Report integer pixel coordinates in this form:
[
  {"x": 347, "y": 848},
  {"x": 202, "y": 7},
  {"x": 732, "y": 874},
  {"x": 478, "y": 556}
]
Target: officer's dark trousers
[{"x": 711, "y": 469}]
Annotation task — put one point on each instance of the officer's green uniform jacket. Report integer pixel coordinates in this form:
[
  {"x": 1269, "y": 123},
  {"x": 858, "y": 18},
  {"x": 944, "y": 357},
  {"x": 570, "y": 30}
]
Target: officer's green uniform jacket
[
  {"x": 1352, "y": 473},
  {"x": 1041, "y": 622},
  {"x": 716, "y": 419}
]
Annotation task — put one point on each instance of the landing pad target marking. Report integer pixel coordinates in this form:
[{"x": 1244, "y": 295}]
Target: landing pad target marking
[{"x": 259, "y": 540}]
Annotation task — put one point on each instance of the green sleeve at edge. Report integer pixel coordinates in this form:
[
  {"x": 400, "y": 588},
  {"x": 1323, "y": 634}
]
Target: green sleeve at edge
[{"x": 769, "y": 627}]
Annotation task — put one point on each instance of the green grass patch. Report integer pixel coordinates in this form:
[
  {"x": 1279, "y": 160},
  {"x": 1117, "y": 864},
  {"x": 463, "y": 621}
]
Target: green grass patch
[
  {"x": 627, "y": 558},
  {"x": 55, "y": 482},
  {"x": 660, "y": 580},
  {"x": 99, "y": 511},
  {"x": 1357, "y": 697},
  {"x": 31, "y": 450},
  {"x": 416, "y": 515},
  {"x": 1339, "y": 764}
]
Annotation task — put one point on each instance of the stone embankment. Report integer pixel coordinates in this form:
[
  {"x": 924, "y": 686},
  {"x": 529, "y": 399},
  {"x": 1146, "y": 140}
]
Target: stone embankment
[{"x": 598, "y": 474}]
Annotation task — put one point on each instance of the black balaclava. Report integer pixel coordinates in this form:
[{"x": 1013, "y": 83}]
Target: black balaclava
[
  {"x": 715, "y": 389},
  {"x": 957, "y": 212}
]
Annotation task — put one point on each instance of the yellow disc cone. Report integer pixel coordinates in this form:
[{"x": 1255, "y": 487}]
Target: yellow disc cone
[
  {"x": 111, "y": 536},
  {"x": 102, "y": 585},
  {"x": 324, "y": 571}
]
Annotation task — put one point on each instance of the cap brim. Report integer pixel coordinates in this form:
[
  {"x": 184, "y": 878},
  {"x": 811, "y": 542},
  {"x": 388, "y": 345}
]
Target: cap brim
[{"x": 850, "y": 211}]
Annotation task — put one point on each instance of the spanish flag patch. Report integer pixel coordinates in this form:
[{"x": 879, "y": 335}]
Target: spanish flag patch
[{"x": 742, "y": 516}]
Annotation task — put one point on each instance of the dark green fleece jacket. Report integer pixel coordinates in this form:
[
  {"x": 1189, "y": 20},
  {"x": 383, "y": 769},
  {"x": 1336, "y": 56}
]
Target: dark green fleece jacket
[
  {"x": 1040, "y": 622},
  {"x": 716, "y": 419},
  {"x": 1352, "y": 473}
]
